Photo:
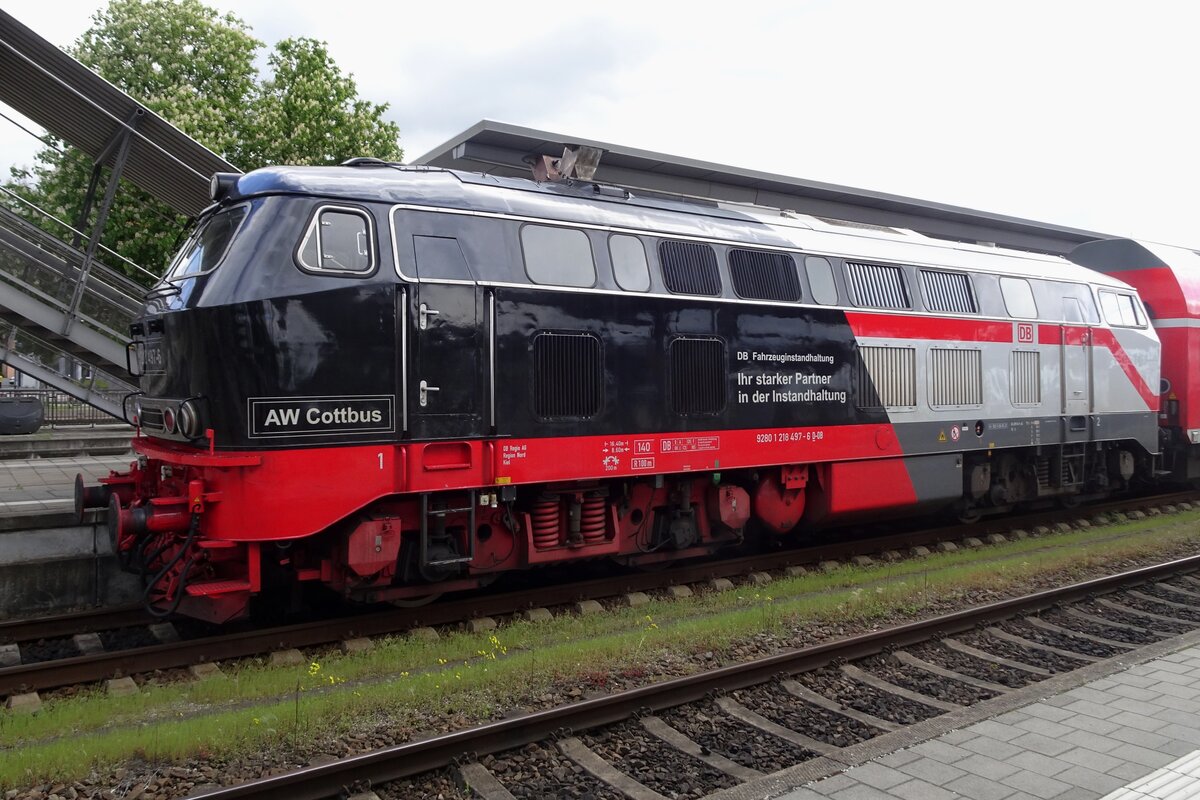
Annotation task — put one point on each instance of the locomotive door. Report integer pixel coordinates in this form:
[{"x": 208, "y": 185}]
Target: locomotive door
[
  {"x": 443, "y": 386},
  {"x": 1076, "y": 352}
]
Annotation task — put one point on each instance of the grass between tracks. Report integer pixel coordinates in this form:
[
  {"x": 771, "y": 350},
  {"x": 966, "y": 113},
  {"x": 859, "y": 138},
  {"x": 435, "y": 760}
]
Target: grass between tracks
[{"x": 407, "y": 685}]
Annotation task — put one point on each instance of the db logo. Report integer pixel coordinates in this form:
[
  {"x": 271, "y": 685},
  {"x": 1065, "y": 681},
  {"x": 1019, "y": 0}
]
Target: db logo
[{"x": 1024, "y": 333}]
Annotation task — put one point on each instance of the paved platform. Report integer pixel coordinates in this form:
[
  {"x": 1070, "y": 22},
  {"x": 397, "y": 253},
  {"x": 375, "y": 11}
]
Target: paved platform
[
  {"x": 1133, "y": 734},
  {"x": 48, "y": 484}
]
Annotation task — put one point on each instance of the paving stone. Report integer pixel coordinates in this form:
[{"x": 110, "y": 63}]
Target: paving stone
[
  {"x": 931, "y": 770},
  {"x": 878, "y": 776},
  {"x": 480, "y": 625},
  {"x": 359, "y": 645},
  {"x": 972, "y": 542},
  {"x": 1090, "y": 740},
  {"x": 120, "y": 687},
  {"x": 1129, "y": 772},
  {"x": 979, "y": 788},
  {"x": 1084, "y": 757},
  {"x": 758, "y": 578},
  {"x": 919, "y": 551},
  {"x": 1034, "y": 784},
  {"x": 1136, "y": 738},
  {"x": 1041, "y": 744},
  {"x": 586, "y": 607},
  {"x": 993, "y": 748},
  {"x": 1044, "y": 727},
  {"x": 829, "y": 566},
  {"x": 917, "y": 789},
  {"x": 287, "y": 658},
  {"x": 891, "y": 556},
  {"x": 1039, "y": 763},
  {"x": 1084, "y": 778},
  {"x": 537, "y": 615},
  {"x": 1091, "y": 709},
  {"x": 720, "y": 584},
  {"x": 995, "y": 730},
  {"x": 24, "y": 703},
  {"x": 1040, "y": 530},
  {"x": 1141, "y": 722},
  {"x": 1062, "y": 527},
  {"x": 861, "y": 792},
  {"x": 958, "y": 736},
  {"x": 1142, "y": 755},
  {"x": 795, "y": 571},
  {"x": 996, "y": 538},
  {"x": 946, "y": 547},
  {"x": 862, "y": 561},
  {"x": 205, "y": 670},
  {"x": 1137, "y": 515},
  {"x": 942, "y": 751},
  {"x": 679, "y": 592},
  {"x": 1019, "y": 534},
  {"x": 985, "y": 766},
  {"x": 1047, "y": 712},
  {"x": 898, "y": 758}
]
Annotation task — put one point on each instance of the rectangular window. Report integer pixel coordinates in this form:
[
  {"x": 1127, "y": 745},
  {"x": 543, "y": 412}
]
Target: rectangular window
[
  {"x": 955, "y": 378},
  {"x": 558, "y": 256},
  {"x": 764, "y": 276},
  {"x": 1027, "y": 378},
  {"x": 886, "y": 377},
  {"x": 568, "y": 376},
  {"x": 820, "y": 279},
  {"x": 629, "y": 262},
  {"x": 1121, "y": 309},
  {"x": 1018, "y": 298},
  {"x": 689, "y": 268},
  {"x": 878, "y": 286},
  {"x": 948, "y": 291},
  {"x": 338, "y": 240},
  {"x": 699, "y": 375}
]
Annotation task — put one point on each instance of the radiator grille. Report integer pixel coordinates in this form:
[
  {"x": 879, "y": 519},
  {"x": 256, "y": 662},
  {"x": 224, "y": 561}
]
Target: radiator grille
[
  {"x": 878, "y": 286},
  {"x": 698, "y": 376},
  {"x": 886, "y": 377},
  {"x": 1027, "y": 378},
  {"x": 956, "y": 377},
  {"x": 689, "y": 268},
  {"x": 568, "y": 376},
  {"x": 948, "y": 291},
  {"x": 764, "y": 276}
]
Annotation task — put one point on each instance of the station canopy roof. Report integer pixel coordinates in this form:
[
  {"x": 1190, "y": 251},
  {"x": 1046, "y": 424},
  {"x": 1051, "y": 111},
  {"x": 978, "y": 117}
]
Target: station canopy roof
[
  {"x": 503, "y": 149},
  {"x": 76, "y": 105}
]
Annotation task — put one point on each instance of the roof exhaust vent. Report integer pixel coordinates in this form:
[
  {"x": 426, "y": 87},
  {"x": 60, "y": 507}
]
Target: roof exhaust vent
[{"x": 577, "y": 161}]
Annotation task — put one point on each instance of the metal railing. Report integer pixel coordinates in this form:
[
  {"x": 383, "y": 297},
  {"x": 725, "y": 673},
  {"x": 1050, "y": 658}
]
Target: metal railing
[{"x": 63, "y": 409}]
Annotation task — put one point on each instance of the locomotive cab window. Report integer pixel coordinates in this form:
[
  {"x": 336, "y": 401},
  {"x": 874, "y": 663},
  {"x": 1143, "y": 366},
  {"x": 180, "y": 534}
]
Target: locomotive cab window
[
  {"x": 558, "y": 256},
  {"x": 629, "y": 262},
  {"x": 1122, "y": 310},
  {"x": 1018, "y": 298},
  {"x": 207, "y": 246},
  {"x": 338, "y": 240}
]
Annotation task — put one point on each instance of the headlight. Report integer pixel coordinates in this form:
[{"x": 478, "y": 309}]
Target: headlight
[
  {"x": 189, "y": 419},
  {"x": 169, "y": 420},
  {"x": 137, "y": 412}
]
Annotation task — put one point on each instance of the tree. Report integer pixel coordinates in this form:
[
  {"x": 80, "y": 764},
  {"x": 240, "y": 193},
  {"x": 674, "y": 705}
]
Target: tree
[{"x": 195, "y": 68}]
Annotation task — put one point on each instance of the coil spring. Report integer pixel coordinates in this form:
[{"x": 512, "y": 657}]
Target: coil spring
[
  {"x": 591, "y": 519},
  {"x": 547, "y": 522}
]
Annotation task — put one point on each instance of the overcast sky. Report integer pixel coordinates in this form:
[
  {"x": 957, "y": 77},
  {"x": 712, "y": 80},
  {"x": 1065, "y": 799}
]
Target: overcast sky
[{"x": 1076, "y": 113}]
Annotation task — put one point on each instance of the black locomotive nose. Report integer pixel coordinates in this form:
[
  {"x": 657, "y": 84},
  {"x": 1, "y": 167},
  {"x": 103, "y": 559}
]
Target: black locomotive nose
[{"x": 89, "y": 496}]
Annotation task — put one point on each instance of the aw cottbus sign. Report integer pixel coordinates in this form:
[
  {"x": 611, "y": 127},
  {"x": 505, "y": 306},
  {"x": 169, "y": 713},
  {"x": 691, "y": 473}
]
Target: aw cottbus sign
[{"x": 320, "y": 416}]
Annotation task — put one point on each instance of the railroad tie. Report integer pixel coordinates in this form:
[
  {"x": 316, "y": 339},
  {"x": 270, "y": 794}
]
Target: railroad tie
[
  {"x": 1046, "y": 648},
  {"x": 817, "y": 699},
  {"x": 862, "y": 676},
  {"x": 1086, "y": 617},
  {"x": 657, "y": 727},
  {"x": 584, "y": 756},
  {"x": 1184, "y": 594},
  {"x": 913, "y": 661},
  {"x": 739, "y": 712},
  {"x": 983, "y": 655},
  {"x": 482, "y": 782},
  {"x": 1050, "y": 627},
  {"x": 1137, "y": 612},
  {"x": 1149, "y": 598}
]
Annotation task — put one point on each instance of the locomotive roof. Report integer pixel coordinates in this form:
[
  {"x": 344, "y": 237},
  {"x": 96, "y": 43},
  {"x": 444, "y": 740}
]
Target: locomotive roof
[{"x": 587, "y": 203}]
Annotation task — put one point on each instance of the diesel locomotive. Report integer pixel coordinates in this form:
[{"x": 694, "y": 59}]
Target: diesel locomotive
[{"x": 400, "y": 381}]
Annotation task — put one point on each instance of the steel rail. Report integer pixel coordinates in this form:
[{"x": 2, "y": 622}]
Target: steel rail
[
  {"x": 401, "y": 761},
  {"x": 244, "y": 644},
  {"x": 58, "y": 625}
]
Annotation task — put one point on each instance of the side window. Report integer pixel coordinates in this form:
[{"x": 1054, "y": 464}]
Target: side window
[
  {"x": 1072, "y": 310},
  {"x": 558, "y": 256},
  {"x": 689, "y": 268},
  {"x": 629, "y": 262},
  {"x": 338, "y": 240},
  {"x": 878, "y": 285},
  {"x": 1121, "y": 309},
  {"x": 759, "y": 275},
  {"x": 1018, "y": 298},
  {"x": 948, "y": 291},
  {"x": 206, "y": 247},
  {"x": 820, "y": 278}
]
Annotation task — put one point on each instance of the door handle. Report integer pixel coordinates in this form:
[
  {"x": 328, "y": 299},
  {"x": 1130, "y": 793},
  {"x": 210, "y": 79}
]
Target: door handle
[
  {"x": 424, "y": 313},
  {"x": 425, "y": 390}
]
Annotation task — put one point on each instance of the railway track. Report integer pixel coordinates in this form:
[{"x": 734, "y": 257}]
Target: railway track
[
  {"x": 69, "y": 651},
  {"x": 828, "y": 706}
]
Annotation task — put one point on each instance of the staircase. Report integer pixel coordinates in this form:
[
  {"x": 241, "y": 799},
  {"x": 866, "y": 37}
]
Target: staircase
[{"x": 63, "y": 325}]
